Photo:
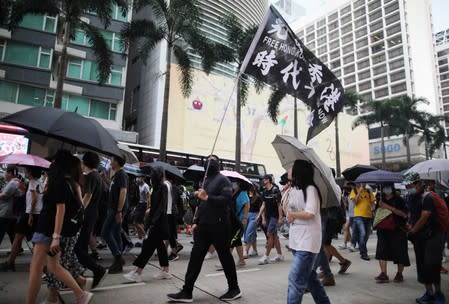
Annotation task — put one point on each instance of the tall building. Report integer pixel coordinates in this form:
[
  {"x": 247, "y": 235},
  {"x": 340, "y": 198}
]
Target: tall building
[
  {"x": 145, "y": 86},
  {"x": 442, "y": 47},
  {"x": 380, "y": 49},
  {"x": 28, "y": 70}
]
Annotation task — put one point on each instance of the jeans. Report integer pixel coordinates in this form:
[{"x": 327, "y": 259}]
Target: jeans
[
  {"x": 111, "y": 233},
  {"x": 251, "y": 228},
  {"x": 302, "y": 276},
  {"x": 206, "y": 235},
  {"x": 360, "y": 229}
]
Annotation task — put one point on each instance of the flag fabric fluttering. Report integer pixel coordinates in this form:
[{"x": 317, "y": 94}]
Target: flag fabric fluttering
[{"x": 280, "y": 59}]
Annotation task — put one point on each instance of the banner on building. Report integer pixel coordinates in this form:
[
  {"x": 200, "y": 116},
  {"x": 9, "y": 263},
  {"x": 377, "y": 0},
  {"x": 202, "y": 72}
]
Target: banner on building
[{"x": 280, "y": 59}]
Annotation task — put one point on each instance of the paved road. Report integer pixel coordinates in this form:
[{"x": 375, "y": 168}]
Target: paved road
[{"x": 260, "y": 284}]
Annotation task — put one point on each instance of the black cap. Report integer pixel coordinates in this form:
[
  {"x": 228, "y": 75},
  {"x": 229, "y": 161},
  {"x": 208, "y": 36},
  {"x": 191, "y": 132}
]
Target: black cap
[{"x": 268, "y": 176}]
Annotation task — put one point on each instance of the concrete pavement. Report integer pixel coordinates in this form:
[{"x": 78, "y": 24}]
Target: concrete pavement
[{"x": 259, "y": 284}]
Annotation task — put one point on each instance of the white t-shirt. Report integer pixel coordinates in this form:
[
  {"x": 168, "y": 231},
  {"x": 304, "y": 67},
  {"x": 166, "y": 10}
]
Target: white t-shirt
[
  {"x": 34, "y": 185},
  {"x": 144, "y": 190},
  {"x": 169, "y": 198},
  {"x": 305, "y": 235}
]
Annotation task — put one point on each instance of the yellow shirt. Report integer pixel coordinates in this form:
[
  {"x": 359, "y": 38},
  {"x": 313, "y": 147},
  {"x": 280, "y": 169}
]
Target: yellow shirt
[{"x": 364, "y": 205}]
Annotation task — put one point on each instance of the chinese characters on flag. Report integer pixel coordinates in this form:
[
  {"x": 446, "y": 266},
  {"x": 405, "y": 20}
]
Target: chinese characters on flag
[{"x": 278, "y": 58}]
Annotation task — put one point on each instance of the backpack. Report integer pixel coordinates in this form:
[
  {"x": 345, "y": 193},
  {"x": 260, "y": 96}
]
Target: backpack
[{"x": 442, "y": 212}]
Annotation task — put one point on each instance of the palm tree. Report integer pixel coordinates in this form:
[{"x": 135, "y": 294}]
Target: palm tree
[
  {"x": 439, "y": 140},
  {"x": 69, "y": 19},
  {"x": 404, "y": 115},
  {"x": 380, "y": 112},
  {"x": 239, "y": 41},
  {"x": 428, "y": 125},
  {"x": 177, "y": 23}
]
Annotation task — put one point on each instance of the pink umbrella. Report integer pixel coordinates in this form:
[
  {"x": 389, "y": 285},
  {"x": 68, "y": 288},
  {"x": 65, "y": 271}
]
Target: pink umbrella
[
  {"x": 24, "y": 160},
  {"x": 236, "y": 175}
]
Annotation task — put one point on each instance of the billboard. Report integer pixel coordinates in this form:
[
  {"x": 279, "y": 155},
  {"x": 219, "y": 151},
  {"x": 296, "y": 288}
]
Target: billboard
[{"x": 12, "y": 143}]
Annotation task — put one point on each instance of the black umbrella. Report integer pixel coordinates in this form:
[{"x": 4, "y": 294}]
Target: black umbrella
[
  {"x": 352, "y": 173},
  {"x": 194, "y": 173},
  {"x": 167, "y": 168},
  {"x": 68, "y": 127}
]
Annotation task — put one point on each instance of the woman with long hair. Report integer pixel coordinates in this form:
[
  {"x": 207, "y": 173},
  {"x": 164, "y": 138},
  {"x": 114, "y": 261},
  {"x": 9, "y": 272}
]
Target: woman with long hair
[
  {"x": 250, "y": 236},
  {"x": 303, "y": 214},
  {"x": 57, "y": 220},
  {"x": 157, "y": 231}
]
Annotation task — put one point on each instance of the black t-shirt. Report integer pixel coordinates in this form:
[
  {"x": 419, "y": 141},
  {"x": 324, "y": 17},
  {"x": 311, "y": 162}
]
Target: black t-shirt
[
  {"x": 398, "y": 203},
  {"x": 119, "y": 181},
  {"x": 93, "y": 184},
  {"x": 272, "y": 199},
  {"x": 59, "y": 192},
  {"x": 255, "y": 204},
  {"x": 419, "y": 203}
]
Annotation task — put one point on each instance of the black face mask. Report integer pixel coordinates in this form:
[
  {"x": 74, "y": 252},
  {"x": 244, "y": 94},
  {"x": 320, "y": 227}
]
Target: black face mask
[{"x": 214, "y": 167}]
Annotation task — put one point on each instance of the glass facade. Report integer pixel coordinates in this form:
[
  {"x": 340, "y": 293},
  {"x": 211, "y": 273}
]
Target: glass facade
[
  {"x": 112, "y": 40},
  {"x": 88, "y": 70},
  {"x": 40, "y": 22},
  {"x": 25, "y": 54}
]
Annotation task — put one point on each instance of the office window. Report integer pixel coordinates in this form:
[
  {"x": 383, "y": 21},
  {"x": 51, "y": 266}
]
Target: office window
[
  {"x": 333, "y": 17},
  {"x": 361, "y": 43},
  {"x": 310, "y": 37},
  {"x": 445, "y": 92},
  {"x": 374, "y": 5},
  {"x": 402, "y": 87},
  {"x": 116, "y": 75},
  {"x": 347, "y": 38},
  {"x": 8, "y": 91},
  {"x": 381, "y": 93},
  {"x": 446, "y": 100},
  {"x": 117, "y": 14},
  {"x": 335, "y": 54},
  {"x": 39, "y": 22},
  {"x": 443, "y": 53},
  {"x": 78, "y": 103},
  {"x": 444, "y": 69},
  {"x": 337, "y": 73},
  {"x": 440, "y": 62},
  {"x": 26, "y": 54},
  {"x": 378, "y": 58},
  {"x": 391, "y": 8},
  {"x": 393, "y": 29},
  {"x": 445, "y": 84},
  {"x": 359, "y": 3},
  {"x": 335, "y": 64},
  {"x": 2, "y": 49},
  {"x": 346, "y": 29},
  {"x": 378, "y": 36},
  {"x": 50, "y": 23},
  {"x": 379, "y": 70},
  {"x": 321, "y": 32},
  {"x": 362, "y": 53},
  {"x": 348, "y": 59},
  {"x": 333, "y": 35},
  {"x": 345, "y": 10},
  {"x": 375, "y": 15},
  {"x": 44, "y": 60},
  {"x": 99, "y": 109},
  {"x": 395, "y": 53},
  {"x": 310, "y": 29},
  {"x": 79, "y": 37},
  {"x": 444, "y": 77},
  {"x": 377, "y": 48},
  {"x": 363, "y": 64},
  {"x": 360, "y": 32},
  {"x": 31, "y": 96},
  {"x": 397, "y": 76},
  {"x": 359, "y": 13},
  {"x": 349, "y": 79},
  {"x": 364, "y": 75},
  {"x": 334, "y": 44},
  {"x": 349, "y": 69},
  {"x": 394, "y": 41},
  {"x": 74, "y": 68},
  {"x": 322, "y": 40},
  {"x": 376, "y": 26},
  {"x": 360, "y": 22},
  {"x": 363, "y": 86},
  {"x": 396, "y": 64},
  {"x": 380, "y": 81},
  {"x": 322, "y": 50},
  {"x": 300, "y": 34},
  {"x": 348, "y": 49},
  {"x": 332, "y": 26},
  {"x": 321, "y": 23},
  {"x": 392, "y": 18},
  {"x": 90, "y": 70},
  {"x": 345, "y": 19}
]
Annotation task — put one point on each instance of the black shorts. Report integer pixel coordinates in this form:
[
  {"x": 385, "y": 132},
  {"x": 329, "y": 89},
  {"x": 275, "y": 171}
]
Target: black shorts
[
  {"x": 139, "y": 213},
  {"x": 428, "y": 254},
  {"x": 22, "y": 226},
  {"x": 236, "y": 240},
  {"x": 392, "y": 245},
  {"x": 329, "y": 233}
]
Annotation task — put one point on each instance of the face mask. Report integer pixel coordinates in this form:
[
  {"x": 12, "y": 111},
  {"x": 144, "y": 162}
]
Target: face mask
[
  {"x": 387, "y": 190},
  {"x": 214, "y": 167},
  {"x": 411, "y": 191}
]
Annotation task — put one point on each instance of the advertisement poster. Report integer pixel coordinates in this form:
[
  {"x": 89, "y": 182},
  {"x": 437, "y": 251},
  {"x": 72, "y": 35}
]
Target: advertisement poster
[{"x": 12, "y": 143}]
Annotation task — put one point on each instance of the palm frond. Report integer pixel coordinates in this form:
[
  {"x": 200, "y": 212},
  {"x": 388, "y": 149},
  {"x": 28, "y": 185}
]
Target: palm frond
[
  {"x": 103, "y": 9},
  {"x": 22, "y": 7},
  {"x": 259, "y": 85},
  {"x": 5, "y": 11},
  {"x": 234, "y": 30},
  {"x": 366, "y": 120},
  {"x": 102, "y": 52},
  {"x": 185, "y": 66},
  {"x": 243, "y": 87},
  {"x": 158, "y": 7},
  {"x": 274, "y": 102}
]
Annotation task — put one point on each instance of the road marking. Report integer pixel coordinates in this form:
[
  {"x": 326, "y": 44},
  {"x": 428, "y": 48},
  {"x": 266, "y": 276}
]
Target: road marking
[
  {"x": 126, "y": 285},
  {"x": 238, "y": 272}
]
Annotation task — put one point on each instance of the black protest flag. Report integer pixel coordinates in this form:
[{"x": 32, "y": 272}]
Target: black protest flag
[{"x": 280, "y": 59}]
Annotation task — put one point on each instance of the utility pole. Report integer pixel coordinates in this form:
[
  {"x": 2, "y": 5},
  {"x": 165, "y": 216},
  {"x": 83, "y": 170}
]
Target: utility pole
[
  {"x": 337, "y": 148},
  {"x": 295, "y": 119}
]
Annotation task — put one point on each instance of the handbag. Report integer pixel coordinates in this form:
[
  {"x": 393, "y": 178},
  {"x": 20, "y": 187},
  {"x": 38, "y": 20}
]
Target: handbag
[{"x": 381, "y": 214}]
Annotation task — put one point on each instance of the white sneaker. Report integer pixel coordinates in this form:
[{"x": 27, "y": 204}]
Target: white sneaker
[
  {"x": 342, "y": 246},
  {"x": 88, "y": 285},
  {"x": 276, "y": 259},
  {"x": 253, "y": 253},
  {"x": 133, "y": 276},
  {"x": 263, "y": 260},
  {"x": 162, "y": 275},
  {"x": 352, "y": 249},
  {"x": 210, "y": 256}
]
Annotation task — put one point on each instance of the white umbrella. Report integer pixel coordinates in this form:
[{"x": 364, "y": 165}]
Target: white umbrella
[
  {"x": 435, "y": 169},
  {"x": 290, "y": 149},
  {"x": 128, "y": 154}
]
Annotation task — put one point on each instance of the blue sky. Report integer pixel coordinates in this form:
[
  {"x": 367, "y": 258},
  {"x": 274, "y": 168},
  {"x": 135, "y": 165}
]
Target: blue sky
[{"x": 440, "y": 13}]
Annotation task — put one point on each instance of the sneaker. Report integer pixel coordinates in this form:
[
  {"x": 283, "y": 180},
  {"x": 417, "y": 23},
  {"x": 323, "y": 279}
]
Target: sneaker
[
  {"x": 276, "y": 259},
  {"x": 85, "y": 298},
  {"x": 382, "y": 278},
  {"x": 180, "y": 297},
  {"x": 162, "y": 275},
  {"x": 253, "y": 253},
  {"x": 179, "y": 247},
  {"x": 173, "y": 257},
  {"x": 99, "y": 277},
  {"x": 365, "y": 257},
  {"x": 342, "y": 246},
  {"x": 231, "y": 295},
  {"x": 344, "y": 266},
  {"x": 443, "y": 270},
  {"x": 210, "y": 256},
  {"x": 263, "y": 260},
  {"x": 245, "y": 255},
  {"x": 128, "y": 248},
  {"x": 88, "y": 285},
  {"x": 399, "y": 278},
  {"x": 426, "y": 298},
  {"x": 328, "y": 280},
  {"x": 133, "y": 276},
  {"x": 352, "y": 248},
  {"x": 102, "y": 246},
  {"x": 7, "y": 266},
  {"x": 439, "y": 298}
]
